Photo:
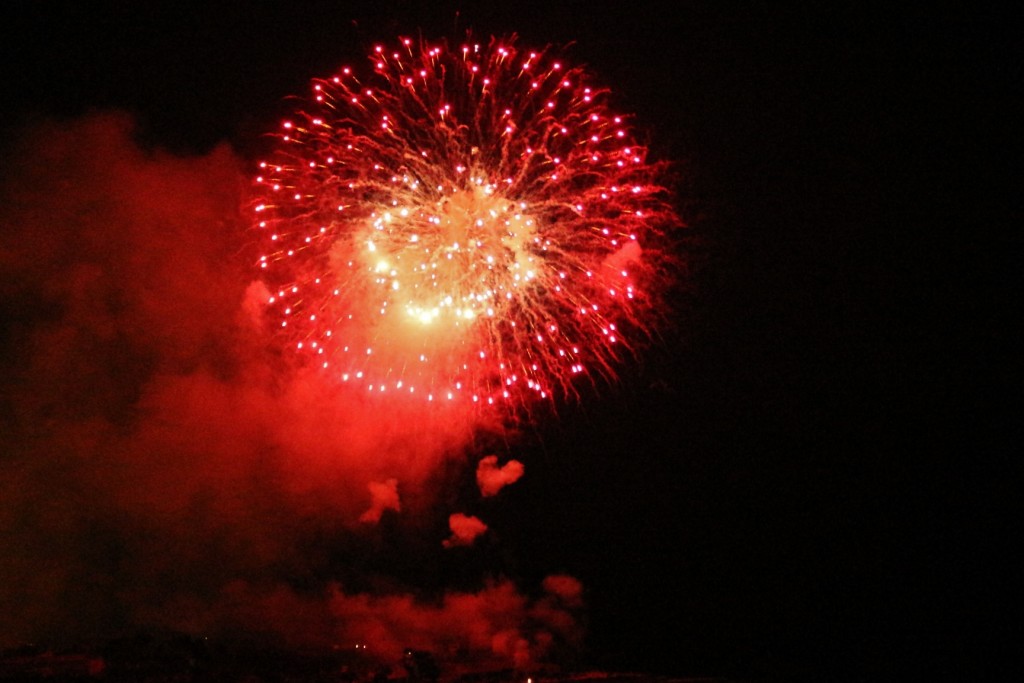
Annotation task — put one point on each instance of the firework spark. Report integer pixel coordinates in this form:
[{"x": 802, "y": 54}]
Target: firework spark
[{"x": 467, "y": 223}]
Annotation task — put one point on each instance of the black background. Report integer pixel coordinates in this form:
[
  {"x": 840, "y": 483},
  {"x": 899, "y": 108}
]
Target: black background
[{"x": 811, "y": 475}]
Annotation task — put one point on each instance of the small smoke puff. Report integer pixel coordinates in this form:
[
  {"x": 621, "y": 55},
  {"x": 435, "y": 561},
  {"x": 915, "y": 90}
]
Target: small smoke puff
[
  {"x": 383, "y": 496},
  {"x": 513, "y": 646},
  {"x": 560, "y": 610},
  {"x": 491, "y": 478},
  {"x": 567, "y": 589},
  {"x": 465, "y": 529}
]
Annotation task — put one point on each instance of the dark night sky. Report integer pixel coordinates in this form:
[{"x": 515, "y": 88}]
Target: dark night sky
[{"x": 811, "y": 474}]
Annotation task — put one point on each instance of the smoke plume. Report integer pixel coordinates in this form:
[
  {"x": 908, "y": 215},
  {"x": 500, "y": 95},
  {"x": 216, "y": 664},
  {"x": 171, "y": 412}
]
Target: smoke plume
[{"x": 161, "y": 464}]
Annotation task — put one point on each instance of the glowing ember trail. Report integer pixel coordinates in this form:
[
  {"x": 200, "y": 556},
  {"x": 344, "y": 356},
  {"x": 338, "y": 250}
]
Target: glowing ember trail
[{"x": 461, "y": 224}]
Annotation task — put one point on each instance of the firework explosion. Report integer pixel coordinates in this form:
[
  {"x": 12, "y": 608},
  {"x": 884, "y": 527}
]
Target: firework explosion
[{"x": 461, "y": 224}]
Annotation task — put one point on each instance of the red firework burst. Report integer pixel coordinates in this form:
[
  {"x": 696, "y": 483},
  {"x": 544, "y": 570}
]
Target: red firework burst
[{"x": 462, "y": 224}]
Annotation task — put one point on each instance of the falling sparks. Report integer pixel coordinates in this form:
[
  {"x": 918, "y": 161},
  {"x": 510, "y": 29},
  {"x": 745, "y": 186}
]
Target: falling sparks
[{"x": 468, "y": 223}]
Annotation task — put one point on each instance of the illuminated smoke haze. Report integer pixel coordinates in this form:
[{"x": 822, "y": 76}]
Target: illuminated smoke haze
[{"x": 163, "y": 465}]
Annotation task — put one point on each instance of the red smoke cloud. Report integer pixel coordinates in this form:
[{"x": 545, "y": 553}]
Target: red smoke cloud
[
  {"x": 162, "y": 464},
  {"x": 495, "y": 627},
  {"x": 465, "y": 529},
  {"x": 491, "y": 478}
]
